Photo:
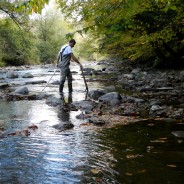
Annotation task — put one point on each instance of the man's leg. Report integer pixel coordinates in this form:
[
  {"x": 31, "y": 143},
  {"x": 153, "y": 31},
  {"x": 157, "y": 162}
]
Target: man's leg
[
  {"x": 62, "y": 80},
  {"x": 69, "y": 77}
]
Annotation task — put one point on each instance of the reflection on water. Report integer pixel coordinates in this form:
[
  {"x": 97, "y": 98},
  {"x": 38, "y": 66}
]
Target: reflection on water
[{"x": 145, "y": 152}]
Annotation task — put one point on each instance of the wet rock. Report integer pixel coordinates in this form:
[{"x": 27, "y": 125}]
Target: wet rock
[
  {"x": 157, "y": 110},
  {"x": 22, "y": 90},
  {"x": 36, "y": 82},
  {"x": 134, "y": 100},
  {"x": 63, "y": 126},
  {"x": 96, "y": 121},
  {"x": 4, "y": 85},
  {"x": 12, "y": 74},
  {"x": 53, "y": 101},
  {"x": 179, "y": 134},
  {"x": 154, "y": 102},
  {"x": 95, "y": 94},
  {"x": 112, "y": 98},
  {"x": 82, "y": 116},
  {"x": 18, "y": 97},
  {"x": 27, "y": 75},
  {"x": 177, "y": 114},
  {"x": 84, "y": 105},
  {"x": 42, "y": 96}
]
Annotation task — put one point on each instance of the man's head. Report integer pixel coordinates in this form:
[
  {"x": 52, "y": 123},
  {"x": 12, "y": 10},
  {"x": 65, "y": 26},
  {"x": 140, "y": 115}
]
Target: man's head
[{"x": 72, "y": 42}]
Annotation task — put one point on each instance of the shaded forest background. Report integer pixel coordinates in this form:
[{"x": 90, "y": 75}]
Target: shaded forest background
[{"x": 142, "y": 31}]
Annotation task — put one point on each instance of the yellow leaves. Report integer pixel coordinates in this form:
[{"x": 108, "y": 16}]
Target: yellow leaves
[{"x": 95, "y": 171}]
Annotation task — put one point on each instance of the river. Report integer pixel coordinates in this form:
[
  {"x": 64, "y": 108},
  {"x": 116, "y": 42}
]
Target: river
[{"x": 143, "y": 152}]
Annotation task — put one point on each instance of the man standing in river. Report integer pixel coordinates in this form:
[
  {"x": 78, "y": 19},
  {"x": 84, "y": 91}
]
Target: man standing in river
[{"x": 63, "y": 62}]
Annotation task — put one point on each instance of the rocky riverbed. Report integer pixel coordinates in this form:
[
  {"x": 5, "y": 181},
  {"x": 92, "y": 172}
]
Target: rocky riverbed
[{"x": 129, "y": 94}]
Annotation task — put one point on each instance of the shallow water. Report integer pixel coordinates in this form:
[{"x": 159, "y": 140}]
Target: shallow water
[{"x": 144, "y": 152}]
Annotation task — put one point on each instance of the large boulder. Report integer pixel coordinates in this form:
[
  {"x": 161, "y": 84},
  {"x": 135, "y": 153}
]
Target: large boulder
[
  {"x": 12, "y": 74},
  {"x": 95, "y": 94},
  {"x": 112, "y": 98},
  {"x": 22, "y": 90}
]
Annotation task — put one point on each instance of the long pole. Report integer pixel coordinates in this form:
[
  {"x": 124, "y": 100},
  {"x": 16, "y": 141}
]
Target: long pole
[
  {"x": 84, "y": 80},
  {"x": 49, "y": 80}
]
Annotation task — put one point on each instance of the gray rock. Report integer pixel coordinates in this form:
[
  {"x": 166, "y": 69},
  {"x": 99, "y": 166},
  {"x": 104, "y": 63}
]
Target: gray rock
[
  {"x": 57, "y": 82},
  {"x": 4, "y": 85},
  {"x": 12, "y": 74},
  {"x": 95, "y": 94},
  {"x": 96, "y": 121},
  {"x": 155, "y": 108},
  {"x": 53, "y": 101},
  {"x": 27, "y": 75},
  {"x": 82, "y": 116},
  {"x": 112, "y": 98},
  {"x": 36, "y": 82},
  {"x": 42, "y": 96},
  {"x": 136, "y": 70},
  {"x": 179, "y": 134},
  {"x": 154, "y": 102},
  {"x": 22, "y": 90},
  {"x": 63, "y": 126},
  {"x": 84, "y": 105}
]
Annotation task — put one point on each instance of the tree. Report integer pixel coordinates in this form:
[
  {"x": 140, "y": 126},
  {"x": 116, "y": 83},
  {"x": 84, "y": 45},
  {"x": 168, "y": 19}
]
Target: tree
[{"x": 136, "y": 30}]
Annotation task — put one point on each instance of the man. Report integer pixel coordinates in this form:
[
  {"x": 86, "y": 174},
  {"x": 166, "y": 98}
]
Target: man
[{"x": 63, "y": 62}]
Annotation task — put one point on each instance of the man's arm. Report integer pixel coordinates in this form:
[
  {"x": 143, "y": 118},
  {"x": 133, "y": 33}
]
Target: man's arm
[{"x": 75, "y": 59}]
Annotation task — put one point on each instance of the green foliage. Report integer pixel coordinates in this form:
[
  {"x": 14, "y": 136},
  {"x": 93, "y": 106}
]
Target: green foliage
[
  {"x": 16, "y": 45},
  {"x": 50, "y": 30},
  {"x": 132, "y": 29}
]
